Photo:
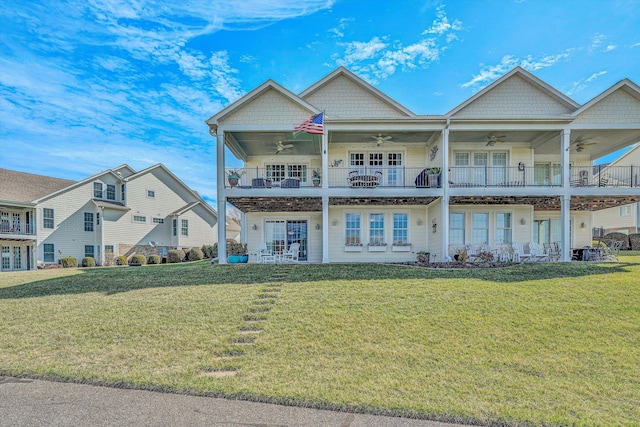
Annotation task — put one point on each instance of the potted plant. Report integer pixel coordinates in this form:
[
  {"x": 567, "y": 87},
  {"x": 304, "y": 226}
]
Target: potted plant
[
  {"x": 352, "y": 245},
  {"x": 233, "y": 176},
  {"x": 316, "y": 177},
  {"x": 401, "y": 246},
  {"x": 237, "y": 253},
  {"x": 377, "y": 246},
  {"x": 434, "y": 177}
]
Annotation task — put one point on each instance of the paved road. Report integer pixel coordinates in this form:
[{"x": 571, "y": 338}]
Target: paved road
[{"x": 25, "y": 402}]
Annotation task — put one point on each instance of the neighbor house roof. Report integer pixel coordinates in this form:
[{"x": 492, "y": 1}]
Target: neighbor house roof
[{"x": 27, "y": 187}]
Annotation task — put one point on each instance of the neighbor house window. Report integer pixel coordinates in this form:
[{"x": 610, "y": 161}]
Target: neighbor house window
[
  {"x": 174, "y": 226},
  {"x": 89, "y": 251},
  {"x": 88, "y": 221},
  {"x": 49, "y": 252},
  {"x": 151, "y": 194},
  {"x": 111, "y": 192},
  {"x": 140, "y": 218},
  {"x": 6, "y": 257},
  {"x": 97, "y": 190},
  {"x": 376, "y": 229},
  {"x": 108, "y": 249},
  {"x": 123, "y": 192},
  {"x": 626, "y": 210},
  {"x": 17, "y": 257},
  {"x": 503, "y": 228},
  {"x": 158, "y": 220},
  {"x": 352, "y": 229},
  {"x": 480, "y": 228},
  {"x": 47, "y": 218},
  {"x": 400, "y": 228},
  {"x": 185, "y": 227},
  {"x": 456, "y": 228},
  {"x": 98, "y": 218}
]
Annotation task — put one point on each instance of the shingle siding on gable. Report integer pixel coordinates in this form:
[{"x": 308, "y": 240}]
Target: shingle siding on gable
[
  {"x": 514, "y": 97},
  {"x": 619, "y": 107},
  {"x": 268, "y": 108},
  {"x": 342, "y": 98}
]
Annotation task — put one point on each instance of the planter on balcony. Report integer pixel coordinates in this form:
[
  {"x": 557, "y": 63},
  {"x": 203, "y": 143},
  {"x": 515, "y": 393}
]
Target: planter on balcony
[
  {"x": 353, "y": 248},
  {"x": 402, "y": 248}
]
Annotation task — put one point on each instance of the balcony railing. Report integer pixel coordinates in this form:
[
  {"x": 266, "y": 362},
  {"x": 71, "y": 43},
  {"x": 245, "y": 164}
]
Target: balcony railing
[
  {"x": 419, "y": 177},
  {"x": 22, "y": 230}
]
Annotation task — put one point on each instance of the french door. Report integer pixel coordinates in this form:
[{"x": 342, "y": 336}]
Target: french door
[
  {"x": 280, "y": 235},
  {"x": 369, "y": 163}
]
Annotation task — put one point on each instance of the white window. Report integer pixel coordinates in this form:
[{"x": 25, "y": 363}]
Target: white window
[
  {"x": 88, "y": 221},
  {"x": 6, "y": 257},
  {"x": 5, "y": 224},
  {"x": 111, "y": 192},
  {"x": 17, "y": 257},
  {"x": 480, "y": 228},
  {"x": 47, "y": 218},
  {"x": 89, "y": 251},
  {"x": 97, "y": 190},
  {"x": 185, "y": 227},
  {"x": 626, "y": 210},
  {"x": 277, "y": 173},
  {"x": 151, "y": 194},
  {"x": 157, "y": 220},
  {"x": 376, "y": 229},
  {"x": 400, "y": 228},
  {"x": 456, "y": 228},
  {"x": 547, "y": 174},
  {"x": 352, "y": 229},
  {"x": 49, "y": 252},
  {"x": 298, "y": 172},
  {"x": 140, "y": 219},
  {"x": 503, "y": 228}
]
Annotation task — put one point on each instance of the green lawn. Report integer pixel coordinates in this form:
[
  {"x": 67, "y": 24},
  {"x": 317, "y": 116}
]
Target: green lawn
[{"x": 543, "y": 344}]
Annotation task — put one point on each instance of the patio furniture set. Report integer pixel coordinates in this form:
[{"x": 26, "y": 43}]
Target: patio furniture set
[{"x": 265, "y": 256}]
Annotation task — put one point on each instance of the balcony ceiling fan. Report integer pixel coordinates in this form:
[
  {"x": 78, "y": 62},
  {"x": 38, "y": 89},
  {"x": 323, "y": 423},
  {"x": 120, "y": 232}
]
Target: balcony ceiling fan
[
  {"x": 379, "y": 139},
  {"x": 493, "y": 138},
  {"x": 581, "y": 144},
  {"x": 280, "y": 147}
]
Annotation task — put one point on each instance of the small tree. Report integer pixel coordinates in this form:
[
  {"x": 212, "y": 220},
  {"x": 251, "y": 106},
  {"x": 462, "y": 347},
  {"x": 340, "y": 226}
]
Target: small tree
[
  {"x": 195, "y": 254},
  {"x": 68, "y": 262},
  {"x": 88, "y": 262},
  {"x": 175, "y": 255},
  {"x": 138, "y": 259},
  {"x": 153, "y": 259},
  {"x": 121, "y": 260}
]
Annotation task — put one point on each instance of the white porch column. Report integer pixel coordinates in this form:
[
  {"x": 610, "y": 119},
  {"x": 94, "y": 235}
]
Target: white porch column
[
  {"x": 325, "y": 229},
  {"x": 221, "y": 199},
  {"x": 444, "y": 178},
  {"x": 325, "y": 158},
  {"x": 565, "y": 202}
]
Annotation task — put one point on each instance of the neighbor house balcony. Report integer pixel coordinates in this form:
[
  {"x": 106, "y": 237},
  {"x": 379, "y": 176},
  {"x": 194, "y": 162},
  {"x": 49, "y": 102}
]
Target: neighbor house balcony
[{"x": 17, "y": 231}]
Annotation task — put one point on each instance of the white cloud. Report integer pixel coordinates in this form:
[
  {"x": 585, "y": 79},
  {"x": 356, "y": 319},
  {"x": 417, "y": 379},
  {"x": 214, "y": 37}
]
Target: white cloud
[
  {"x": 581, "y": 84},
  {"x": 610, "y": 47},
  {"x": 338, "y": 30},
  {"x": 441, "y": 24}
]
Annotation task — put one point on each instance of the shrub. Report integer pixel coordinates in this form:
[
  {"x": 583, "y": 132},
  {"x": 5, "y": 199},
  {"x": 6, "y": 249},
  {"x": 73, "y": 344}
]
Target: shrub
[
  {"x": 68, "y": 262},
  {"x": 121, "y": 260},
  {"x": 207, "y": 250},
  {"x": 195, "y": 254},
  {"x": 175, "y": 255},
  {"x": 234, "y": 248},
  {"x": 88, "y": 262},
  {"x": 138, "y": 259},
  {"x": 618, "y": 236},
  {"x": 634, "y": 242},
  {"x": 153, "y": 259}
]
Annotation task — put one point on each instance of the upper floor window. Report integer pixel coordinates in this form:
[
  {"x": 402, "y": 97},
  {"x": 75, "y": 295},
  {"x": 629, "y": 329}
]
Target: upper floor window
[
  {"x": 400, "y": 228},
  {"x": 174, "y": 226},
  {"x": 376, "y": 229},
  {"x": 47, "y": 218},
  {"x": 185, "y": 227},
  {"x": 122, "y": 192},
  {"x": 111, "y": 192},
  {"x": 140, "y": 218},
  {"x": 49, "y": 252},
  {"x": 157, "y": 220},
  {"x": 88, "y": 221},
  {"x": 352, "y": 229},
  {"x": 151, "y": 194},
  {"x": 97, "y": 190}
]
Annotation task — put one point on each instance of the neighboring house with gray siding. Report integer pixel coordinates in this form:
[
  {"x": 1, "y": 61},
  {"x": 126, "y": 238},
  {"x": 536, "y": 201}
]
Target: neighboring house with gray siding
[{"x": 115, "y": 212}]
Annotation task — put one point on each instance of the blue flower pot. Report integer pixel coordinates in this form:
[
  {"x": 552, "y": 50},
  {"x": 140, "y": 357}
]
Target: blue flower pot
[{"x": 237, "y": 259}]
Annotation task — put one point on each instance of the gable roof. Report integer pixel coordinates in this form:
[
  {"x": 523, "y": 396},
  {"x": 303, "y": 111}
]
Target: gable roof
[
  {"x": 627, "y": 84},
  {"x": 357, "y": 81},
  {"x": 26, "y": 187},
  {"x": 519, "y": 72}
]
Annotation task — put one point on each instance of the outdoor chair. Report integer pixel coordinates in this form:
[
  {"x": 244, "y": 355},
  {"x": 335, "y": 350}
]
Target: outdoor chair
[
  {"x": 291, "y": 254},
  {"x": 290, "y": 183},
  {"x": 518, "y": 253},
  {"x": 264, "y": 255},
  {"x": 536, "y": 253}
]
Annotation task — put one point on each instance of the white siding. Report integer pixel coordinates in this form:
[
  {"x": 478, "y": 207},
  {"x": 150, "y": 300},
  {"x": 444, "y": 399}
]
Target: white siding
[{"x": 270, "y": 107}]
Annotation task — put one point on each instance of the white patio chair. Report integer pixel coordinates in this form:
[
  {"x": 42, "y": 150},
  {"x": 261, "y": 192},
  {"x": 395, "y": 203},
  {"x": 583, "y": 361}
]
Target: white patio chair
[
  {"x": 264, "y": 254},
  {"x": 518, "y": 252},
  {"x": 291, "y": 254},
  {"x": 536, "y": 253}
]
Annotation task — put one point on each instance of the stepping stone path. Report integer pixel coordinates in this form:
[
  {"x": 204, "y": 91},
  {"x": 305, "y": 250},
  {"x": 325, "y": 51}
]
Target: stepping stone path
[{"x": 249, "y": 331}]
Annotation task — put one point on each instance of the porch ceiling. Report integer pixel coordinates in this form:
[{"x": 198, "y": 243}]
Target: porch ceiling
[
  {"x": 380, "y": 201},
  {"x": 578, "y": 203},
  {"x": 265, "y": 143},
  {"x": 277, "y": 204}
]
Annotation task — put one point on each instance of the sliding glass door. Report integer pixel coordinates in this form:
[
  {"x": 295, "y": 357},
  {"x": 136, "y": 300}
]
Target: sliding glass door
[{"x": 279, "y": 235}]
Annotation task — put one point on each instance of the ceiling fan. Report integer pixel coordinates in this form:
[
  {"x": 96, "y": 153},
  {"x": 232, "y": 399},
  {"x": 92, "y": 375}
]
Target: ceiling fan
[
  {"x": 280, "y": 147},
  {"x": 381, "y": 139},
  {"x": 581, "y": 144},
  {"x": 493, "y": 138}
]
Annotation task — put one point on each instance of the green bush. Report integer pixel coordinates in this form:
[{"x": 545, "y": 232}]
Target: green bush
[
  {"x": 634, "y": 241},
  {"x": 68, "y": 262},
  {"x": 153, "y": 259},
  {"x": 175, "y": 255},
  {"x": 207, "y": 250},
  {"x": 618, "y": 236},
  {"x": 88, "y": 262},
  {"x": 138, "y": 259},
  {"x": 195, "y": 254},
  {"x": 121, "y": 260}
]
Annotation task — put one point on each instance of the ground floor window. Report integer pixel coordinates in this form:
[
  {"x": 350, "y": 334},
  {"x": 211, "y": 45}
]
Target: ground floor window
[
  {"x": 503, "y": 228},
  {"x": 185, "y": 227},
  {"x": 49, "y": 252},
  {"x": 352, "y": 229},
  {"x": 376, "y": 229},
  {"x": 547, "y": 230},
  {"x": 6, "y": 257},
  {"x": 280, "y": 235},
  {"x": 17, "y": 257},
  {"x": 89, "y": 251},
  {"x": 456, "y": 228},
  {"x": 400, "y": 228}
]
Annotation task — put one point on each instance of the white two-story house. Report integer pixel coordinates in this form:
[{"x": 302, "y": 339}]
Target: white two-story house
[
  {"x": 513, "y": 163},
  {"x": 115, "y": 212}
]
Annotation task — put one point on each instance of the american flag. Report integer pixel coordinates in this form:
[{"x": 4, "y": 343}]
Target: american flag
[{"x": 314, "y": 125}]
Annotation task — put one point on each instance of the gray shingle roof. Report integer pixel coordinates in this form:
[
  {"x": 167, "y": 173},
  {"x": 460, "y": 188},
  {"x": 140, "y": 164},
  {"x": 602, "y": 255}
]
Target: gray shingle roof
[{"x": 26, "y": 187}]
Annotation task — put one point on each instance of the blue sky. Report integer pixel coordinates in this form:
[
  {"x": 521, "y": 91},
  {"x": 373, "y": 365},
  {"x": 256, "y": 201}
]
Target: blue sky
[{"x": 89, "y": 85}]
